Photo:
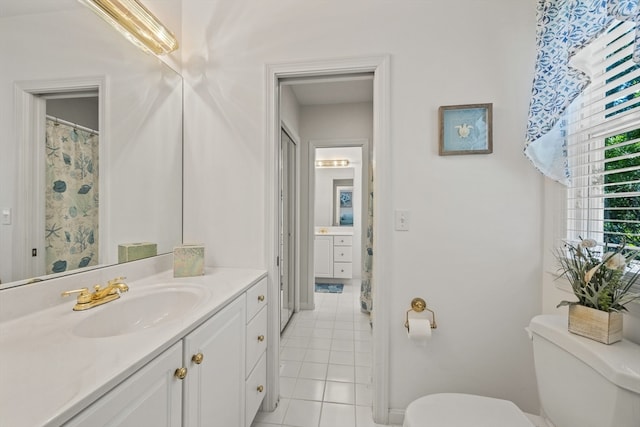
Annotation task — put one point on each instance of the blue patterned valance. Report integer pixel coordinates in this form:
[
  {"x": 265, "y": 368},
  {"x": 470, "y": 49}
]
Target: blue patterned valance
[{"x": 564, "y": 27}]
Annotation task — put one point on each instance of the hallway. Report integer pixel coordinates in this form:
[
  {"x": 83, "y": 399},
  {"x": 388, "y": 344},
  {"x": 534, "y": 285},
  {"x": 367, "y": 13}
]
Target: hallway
[{"x": 325, "y": 366}]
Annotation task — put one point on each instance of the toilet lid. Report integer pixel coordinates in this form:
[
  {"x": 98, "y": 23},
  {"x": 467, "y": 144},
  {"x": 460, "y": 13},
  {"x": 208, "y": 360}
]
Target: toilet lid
[{"x": 463, "y": 410}]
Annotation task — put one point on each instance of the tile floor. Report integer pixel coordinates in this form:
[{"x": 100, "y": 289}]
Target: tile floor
[{"x": 325, "y": 366}]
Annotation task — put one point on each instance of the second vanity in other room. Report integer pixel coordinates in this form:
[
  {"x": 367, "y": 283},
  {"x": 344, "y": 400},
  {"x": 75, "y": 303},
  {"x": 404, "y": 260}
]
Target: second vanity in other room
[
  {"x": 333, "y": 252},
  {"x": 169, "y": 352}
]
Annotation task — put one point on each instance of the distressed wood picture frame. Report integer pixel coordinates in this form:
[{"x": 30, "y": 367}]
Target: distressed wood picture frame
[{"x": 465, "y": 129}]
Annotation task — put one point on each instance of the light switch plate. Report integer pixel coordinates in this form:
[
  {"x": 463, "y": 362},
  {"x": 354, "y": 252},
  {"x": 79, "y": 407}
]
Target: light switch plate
[
  {"x": 6, "y": 216},
  {"x": 402, "y": 220}
]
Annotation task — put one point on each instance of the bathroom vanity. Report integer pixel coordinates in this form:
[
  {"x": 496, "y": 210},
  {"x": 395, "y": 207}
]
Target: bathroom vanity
[
  {"x": 333, "y": 254},
  {"x": 169, "y": 352}
]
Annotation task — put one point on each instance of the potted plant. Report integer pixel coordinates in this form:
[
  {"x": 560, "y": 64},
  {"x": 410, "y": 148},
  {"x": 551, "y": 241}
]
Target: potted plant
[{"x": 602, "y": 282}]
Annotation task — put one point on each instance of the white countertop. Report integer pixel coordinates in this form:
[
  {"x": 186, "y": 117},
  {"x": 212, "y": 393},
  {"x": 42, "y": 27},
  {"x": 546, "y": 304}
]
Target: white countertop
[{"x": 48, "y": 374}]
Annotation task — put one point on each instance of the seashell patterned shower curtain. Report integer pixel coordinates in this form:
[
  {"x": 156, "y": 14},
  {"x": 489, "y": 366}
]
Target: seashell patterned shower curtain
[{"x": 71, "y": 197}]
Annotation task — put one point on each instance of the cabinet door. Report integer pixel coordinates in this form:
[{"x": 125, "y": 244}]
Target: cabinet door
[
  {"x": 150, "y": 397},
  {"x": 323, "y": 256},
  {"x": 214, "y": 388}
]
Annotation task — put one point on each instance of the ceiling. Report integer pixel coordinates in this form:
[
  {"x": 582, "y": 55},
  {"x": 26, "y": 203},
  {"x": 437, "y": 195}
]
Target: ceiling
[{"x": 333, "y": 91}]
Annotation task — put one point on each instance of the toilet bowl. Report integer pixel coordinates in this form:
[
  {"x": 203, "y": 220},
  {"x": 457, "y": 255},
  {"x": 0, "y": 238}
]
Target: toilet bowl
[
  {"x": 463, "y": 410},
  {"x": 581, "y": 383}
]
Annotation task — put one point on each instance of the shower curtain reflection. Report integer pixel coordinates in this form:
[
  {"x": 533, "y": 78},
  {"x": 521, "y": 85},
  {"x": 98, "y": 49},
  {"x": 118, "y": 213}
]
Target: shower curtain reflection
[{"x": 71, "y": 196}]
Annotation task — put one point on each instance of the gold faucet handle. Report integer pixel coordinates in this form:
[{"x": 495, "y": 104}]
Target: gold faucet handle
[{"x": 83, "y": 294}]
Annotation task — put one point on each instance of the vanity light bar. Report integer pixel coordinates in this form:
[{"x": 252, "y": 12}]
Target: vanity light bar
[
  {"x": 136, "y": 23},
  {"x": 332, "y": 163}
]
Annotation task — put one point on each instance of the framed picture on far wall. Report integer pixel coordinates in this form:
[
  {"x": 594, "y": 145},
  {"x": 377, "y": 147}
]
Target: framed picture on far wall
[
  {"x": 343, "y": 202},
  {"x": 465, "y": 129}
]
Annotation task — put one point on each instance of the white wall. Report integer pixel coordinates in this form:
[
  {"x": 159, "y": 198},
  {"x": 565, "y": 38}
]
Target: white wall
[{"x": 474, "y": 248}]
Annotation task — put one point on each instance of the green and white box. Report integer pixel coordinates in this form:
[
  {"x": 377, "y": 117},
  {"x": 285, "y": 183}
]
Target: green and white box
[
  {"x": 188, "y": 261},
  {"x": 133, "y": 251}
]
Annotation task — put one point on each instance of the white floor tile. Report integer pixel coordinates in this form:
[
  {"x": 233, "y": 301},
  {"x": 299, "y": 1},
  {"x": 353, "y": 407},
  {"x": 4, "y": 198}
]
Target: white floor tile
[
  {"x": 325, "y": 366},
  {"x": 307, "y": 389},
  {"x": 287, "y": 386},
  {"x": 292, "y": 353},
  {"x": 341, "y": 373},
  {"x": 312, "y": 370},
  {"x": 299, "y": 342},
  {"x": 290, "y": 368},
  {"x": 336, "y": 392},
  {"x": 318, "y": 356},
  {"x": 336, "y": 415},
  {"x": 342, "y": 358},
  {"x": 321, "y": 333},
  {"x": 303, "y": 413},
  {"x": 342, "y": 345},
  {"x": 320, "y": 343},
  {"x": 339, "y": 334}
]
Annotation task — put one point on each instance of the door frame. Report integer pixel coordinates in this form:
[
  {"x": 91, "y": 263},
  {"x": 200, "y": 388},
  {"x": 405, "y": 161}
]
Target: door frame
[
  {"x": 365, "y": 155},
  {"x": 381, "y": 164},
  {"x": 30, "y": 113}
]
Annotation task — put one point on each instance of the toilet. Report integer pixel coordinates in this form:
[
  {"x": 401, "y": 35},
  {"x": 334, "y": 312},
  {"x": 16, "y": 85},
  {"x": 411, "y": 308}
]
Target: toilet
[{"x": 581, "y": 383}]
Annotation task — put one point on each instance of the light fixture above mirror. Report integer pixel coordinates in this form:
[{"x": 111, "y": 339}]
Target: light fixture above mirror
[
  {"x": 340, "y": 163},
  {"x": 136, "y": 23}
]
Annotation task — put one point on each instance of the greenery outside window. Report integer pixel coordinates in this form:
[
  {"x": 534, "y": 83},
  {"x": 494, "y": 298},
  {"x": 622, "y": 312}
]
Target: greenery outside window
[{"x": 604, "y": 143}]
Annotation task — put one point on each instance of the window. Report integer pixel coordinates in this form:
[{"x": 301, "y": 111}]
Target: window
[{"x": 604, "y": 143}]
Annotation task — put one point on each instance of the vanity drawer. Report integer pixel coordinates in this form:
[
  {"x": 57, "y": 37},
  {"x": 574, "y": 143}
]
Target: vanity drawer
[
  {"x": 256, "y": 388},
  {"x": 256, "y": 339},
  {"x": 342, "y": 240},
  {"x": 342, "y": 270},
  {"x": 256, "y": 298},
  {"x": 342, "y": 254}
]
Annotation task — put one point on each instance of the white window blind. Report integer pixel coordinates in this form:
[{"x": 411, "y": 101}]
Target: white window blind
[{"x": 604, "y": 143}]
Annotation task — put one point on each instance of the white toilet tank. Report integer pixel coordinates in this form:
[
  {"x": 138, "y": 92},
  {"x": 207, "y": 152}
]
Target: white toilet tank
[{"x": 581, "y": 382}]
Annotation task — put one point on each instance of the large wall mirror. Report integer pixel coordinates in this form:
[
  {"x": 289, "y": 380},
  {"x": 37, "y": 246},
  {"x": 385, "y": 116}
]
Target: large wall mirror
[{"x": 91, "y": 148}]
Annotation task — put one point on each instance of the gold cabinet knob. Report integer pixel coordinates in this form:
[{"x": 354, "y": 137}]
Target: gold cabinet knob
[
  {"x": 260, "y": 298},
  {"x": 260, "y": 338},
  {"x": 260, "y": 389},
  {"x": 197, "y": 358},
  {"x": 181, "y": 373}
]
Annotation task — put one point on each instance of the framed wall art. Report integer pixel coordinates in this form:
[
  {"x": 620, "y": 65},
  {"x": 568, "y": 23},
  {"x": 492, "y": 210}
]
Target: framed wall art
[{"x": 465, "y": 129}]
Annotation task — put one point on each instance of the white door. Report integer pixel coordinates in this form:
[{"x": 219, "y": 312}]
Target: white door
[{"x": 287, "y": 228}]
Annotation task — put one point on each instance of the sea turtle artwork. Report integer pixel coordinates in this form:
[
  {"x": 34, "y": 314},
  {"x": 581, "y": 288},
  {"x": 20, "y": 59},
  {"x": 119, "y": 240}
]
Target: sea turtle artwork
[{"x": 464, "y": 130}]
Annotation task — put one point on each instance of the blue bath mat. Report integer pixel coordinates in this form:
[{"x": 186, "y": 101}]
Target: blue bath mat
[{"x": 330, "y": 288}]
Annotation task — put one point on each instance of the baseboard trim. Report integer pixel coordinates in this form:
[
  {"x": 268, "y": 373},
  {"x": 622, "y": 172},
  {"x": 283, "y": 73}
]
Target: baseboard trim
[{"x": 396, "y": 416}]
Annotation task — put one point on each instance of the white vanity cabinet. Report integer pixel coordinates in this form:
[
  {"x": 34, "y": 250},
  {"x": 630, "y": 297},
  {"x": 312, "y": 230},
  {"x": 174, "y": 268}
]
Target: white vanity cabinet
[
  {"x": 333, "y": 256},
  {"x": 224, "y": 382},
  {"x": 150, "y": 397},
  {"x": 214, "y": 356},
  {"x": 256, "y": 347}
]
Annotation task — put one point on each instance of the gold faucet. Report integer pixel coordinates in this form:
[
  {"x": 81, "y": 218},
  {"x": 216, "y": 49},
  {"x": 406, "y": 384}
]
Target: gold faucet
[{"x": 87, "y": 300}]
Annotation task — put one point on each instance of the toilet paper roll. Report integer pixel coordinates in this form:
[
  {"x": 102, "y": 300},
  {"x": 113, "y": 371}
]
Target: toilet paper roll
[{"x": 419, "y": 331}]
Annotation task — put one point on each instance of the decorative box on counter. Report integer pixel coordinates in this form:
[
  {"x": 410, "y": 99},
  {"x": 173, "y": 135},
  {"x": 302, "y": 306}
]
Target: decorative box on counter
[
  {"x": 188, "y": 260},
  {"x": 133, "y": 251}
]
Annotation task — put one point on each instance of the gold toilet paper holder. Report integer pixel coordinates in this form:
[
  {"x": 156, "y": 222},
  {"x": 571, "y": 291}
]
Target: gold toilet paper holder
[{"x": 419, "y": 305}]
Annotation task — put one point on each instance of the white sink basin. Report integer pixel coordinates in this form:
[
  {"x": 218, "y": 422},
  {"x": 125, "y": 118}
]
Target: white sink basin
[{"x": 135, "y": 313}]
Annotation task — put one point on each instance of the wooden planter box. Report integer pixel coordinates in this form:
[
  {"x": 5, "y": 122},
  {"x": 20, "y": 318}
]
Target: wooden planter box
[{"x": 598, "y": 325}]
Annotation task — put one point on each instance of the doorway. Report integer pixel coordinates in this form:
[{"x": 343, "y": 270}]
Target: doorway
[
  {"x": 379, "y": 66},
  {"x": 45, "y": 108}
]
